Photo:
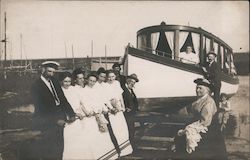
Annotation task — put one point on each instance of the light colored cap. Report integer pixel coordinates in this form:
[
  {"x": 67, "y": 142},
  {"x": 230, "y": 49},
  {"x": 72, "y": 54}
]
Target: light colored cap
[{"x": 51, "y": 64}]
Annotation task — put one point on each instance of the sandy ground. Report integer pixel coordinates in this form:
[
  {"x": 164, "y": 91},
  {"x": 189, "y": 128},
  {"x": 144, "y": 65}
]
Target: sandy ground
[
  {"x": 237, "y": 141},
  {"x": 238, "y": 144}
]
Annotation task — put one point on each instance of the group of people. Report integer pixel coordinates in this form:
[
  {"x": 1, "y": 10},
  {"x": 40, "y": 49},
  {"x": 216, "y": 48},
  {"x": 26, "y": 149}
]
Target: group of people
[
  {"x": 211, "y": 70},
  {"x": 85, "y": 118},
  {"x": 92, "y": 117},
  {"x": 202, "y": 137}
]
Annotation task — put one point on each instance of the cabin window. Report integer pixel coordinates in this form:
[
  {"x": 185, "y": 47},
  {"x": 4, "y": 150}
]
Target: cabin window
[
  {"x": 227, "y": 61},
  {"x": 183, "y": 40},
  {"x": 142, "y": 42},
  {"x": 170, "y": 39},
  {"x": 233, "y": 69},
  {"x": 165, "y": 44},
  {"x": 216, "y": 51},
  {"x": 154, "y": 41},
  {"x": 196, "y": 43},
  {"x": 207, "y": 45},
  {"x": 222, "y": 57},
  {"x": 189, "y": 42}
]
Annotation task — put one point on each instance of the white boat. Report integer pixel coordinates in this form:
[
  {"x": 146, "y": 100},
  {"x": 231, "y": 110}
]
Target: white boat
[{"x": 165, "y": 81}]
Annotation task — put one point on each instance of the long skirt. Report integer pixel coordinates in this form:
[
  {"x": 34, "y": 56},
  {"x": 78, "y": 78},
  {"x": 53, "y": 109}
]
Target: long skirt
[
  {"x": 211, "y": 147},
  {"x": 120, "y": 129},
  {"x": 77, "y": 142},
  {"x": 83, "y": 140}
]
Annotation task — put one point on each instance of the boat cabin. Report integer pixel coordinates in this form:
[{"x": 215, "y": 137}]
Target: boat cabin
[{"x": 170, "y": 41}]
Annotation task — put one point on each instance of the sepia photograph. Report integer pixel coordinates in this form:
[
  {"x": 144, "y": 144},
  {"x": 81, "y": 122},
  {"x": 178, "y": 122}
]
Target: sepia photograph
[{"x": 124, "y": 80}]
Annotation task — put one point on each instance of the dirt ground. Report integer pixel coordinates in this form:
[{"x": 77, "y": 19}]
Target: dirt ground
[
  {"x": 238, "y": 144},
  {"x": 237, "y": 140}
]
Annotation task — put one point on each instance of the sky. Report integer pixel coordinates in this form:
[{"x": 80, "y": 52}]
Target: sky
[{"x": 59, "y": 29}]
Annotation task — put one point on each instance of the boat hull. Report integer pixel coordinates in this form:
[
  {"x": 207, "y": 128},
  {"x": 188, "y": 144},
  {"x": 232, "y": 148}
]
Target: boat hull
[{"x": 166, "y": 83}]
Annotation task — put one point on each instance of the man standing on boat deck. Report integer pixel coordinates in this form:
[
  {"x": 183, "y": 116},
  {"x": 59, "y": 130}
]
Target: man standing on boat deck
[
  {"x": 213, "y": 74},
  {"x": 51, "y": 112},
  {"x": 121, "y": 78},
  {"x": 131, "y": 105}
]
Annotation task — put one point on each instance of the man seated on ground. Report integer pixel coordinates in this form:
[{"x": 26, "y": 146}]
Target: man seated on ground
[{"x": 189, "y": 56}]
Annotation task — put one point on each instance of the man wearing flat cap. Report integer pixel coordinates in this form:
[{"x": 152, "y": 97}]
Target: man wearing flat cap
[
  {"x": 212, "y": 72},
  {"x": 51, "y": 110},
  {"x": 131, "y": 105}
]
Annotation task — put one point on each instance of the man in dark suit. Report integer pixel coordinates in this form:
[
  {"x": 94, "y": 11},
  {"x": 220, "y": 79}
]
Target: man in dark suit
[
  {"x": 131, "y": 105},
  {"x": 51, "y": 112},
  {"x": 213, "y": 74}
]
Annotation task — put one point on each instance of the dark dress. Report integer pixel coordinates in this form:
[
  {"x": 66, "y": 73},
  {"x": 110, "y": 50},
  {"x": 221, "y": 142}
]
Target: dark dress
[
  {"x": 212, "y": 145},
  {"x": 47, "y": 113},
  {"x": 214, "y": 76}
]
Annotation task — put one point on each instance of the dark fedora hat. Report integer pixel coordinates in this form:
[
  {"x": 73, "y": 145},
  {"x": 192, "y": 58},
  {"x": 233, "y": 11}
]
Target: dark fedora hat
[
  {"x": 212, "y": 52},
  {"x": 133, "y": 76},
  {"x": 51, "y": 64},
  {"x": 203, "y": 82}
]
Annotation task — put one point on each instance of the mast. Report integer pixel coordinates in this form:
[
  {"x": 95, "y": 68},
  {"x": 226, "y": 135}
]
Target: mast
[
  {"x": 11, "y": 56},
  {"x": 5, "y": 39},
  {"x": 21, "y": 48},
  {"x": 105, "y": 56},
  {"x": 0, "y": 32},
  {"x": 65, "y": 48},
  {"x": 5, "y": 45},
  {"x": 25, "y": 54},
  {"x": 73, "y": 58},
  {"x": 92, "y": 49}
]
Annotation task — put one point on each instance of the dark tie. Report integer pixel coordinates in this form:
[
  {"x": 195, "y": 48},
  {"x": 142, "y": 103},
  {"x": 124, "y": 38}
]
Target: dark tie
[
  {"x": 132, "y": 92},
  {"x": 54, "y": 93}
]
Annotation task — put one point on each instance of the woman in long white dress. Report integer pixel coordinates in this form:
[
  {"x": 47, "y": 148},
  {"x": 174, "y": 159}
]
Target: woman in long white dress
[
  {"x": 117, "y": 119},
  {"x": 103, "y": 146},
  {"x": 77, "y": 143}
]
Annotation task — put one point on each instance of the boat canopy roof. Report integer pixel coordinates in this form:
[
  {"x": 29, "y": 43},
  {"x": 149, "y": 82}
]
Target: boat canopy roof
[
  {"x": 164, "y": 27},
  {"x": 177, "y": 42}
]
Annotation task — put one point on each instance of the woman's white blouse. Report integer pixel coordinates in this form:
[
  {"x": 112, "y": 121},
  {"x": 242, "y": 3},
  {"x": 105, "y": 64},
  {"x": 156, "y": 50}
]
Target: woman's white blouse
[
  {"x": 92, "y": 100},
  {"x": 74, "y": 99},
  {"x": 114, "y": 90}
]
